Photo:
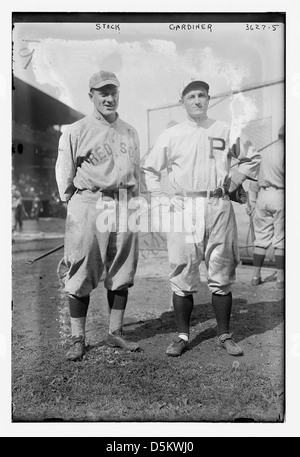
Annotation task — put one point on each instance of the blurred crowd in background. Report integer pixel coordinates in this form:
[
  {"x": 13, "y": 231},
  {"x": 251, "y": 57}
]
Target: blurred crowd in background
[{"x": 34, "y": 197}]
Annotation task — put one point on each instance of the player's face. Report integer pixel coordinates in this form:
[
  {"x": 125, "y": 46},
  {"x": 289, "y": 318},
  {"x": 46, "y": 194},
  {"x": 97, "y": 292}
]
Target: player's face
[
  {"x": 106, "y": 100},
  {"x": 196, "y": 103}
]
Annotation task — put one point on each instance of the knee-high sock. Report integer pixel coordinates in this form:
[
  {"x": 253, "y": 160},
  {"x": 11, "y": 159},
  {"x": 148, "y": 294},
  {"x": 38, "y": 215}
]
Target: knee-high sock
[
  {"x": 279, "y": 262},
  {"x": 117, "y": 301},
  {"x": 222, "y": 306},
  {"x": 258, "y": 261},
  {"x": 183, "y": 307},
  {"x": 78, "y": 311}
]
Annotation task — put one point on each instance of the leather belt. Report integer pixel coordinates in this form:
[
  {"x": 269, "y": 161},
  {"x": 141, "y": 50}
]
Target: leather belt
[
  {"x": 272, "y": 187},
  {"x": 103, "y": 193},
  {"x": 216, "y": 193}
]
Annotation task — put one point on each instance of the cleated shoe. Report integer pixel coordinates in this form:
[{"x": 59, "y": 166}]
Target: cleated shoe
[
  {"x": 117, "y": 339},
  {"x": 256, "y": 281},
  {"x": 226, "y": 342},
  {"x": 176, "y": 348},
  {"x": 280, "y": 284},
  {"x": 77, "y": 349}
]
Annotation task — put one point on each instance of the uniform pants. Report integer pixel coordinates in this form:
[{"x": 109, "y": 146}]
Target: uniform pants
[
  {"x": 89, "y": 252},
  {"x": 214, "y": 238},
  {"x": 269, "y": 218}
]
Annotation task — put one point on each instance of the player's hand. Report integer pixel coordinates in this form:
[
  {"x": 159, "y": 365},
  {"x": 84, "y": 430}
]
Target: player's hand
[
  {"x": 139, "y": 204},
  {"x": 177, "y": 202},
  {"x": 250, "y": 209},
  {"x": 174, "y": 203}
]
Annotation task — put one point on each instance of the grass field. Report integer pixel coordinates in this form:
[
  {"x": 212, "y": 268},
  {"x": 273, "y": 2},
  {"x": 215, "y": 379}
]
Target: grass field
[
  {"x": 132, "y": 387},
  {"x": 204, "y": 385}
]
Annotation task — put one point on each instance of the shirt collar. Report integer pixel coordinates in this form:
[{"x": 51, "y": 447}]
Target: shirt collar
[
  {"x": 100, "y": 118},
  {"x": 202, "y": 123}
]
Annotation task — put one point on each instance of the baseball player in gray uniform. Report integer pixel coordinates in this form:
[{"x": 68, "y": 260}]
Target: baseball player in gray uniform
[
  {"x": 197, "y": 154},
  {"x": 98, "y": 158},
  {"x": 269, "y": 211}
]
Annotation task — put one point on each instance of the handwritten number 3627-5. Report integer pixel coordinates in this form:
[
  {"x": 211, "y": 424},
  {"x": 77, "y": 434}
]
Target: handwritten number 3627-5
[{"x": 272, "y": 27}]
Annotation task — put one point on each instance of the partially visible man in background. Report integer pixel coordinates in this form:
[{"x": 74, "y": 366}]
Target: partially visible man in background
[
  {"x": 36, "y": 207},
  {"x": 267, "y": 201},
  {"x": 18, "y": 210}
]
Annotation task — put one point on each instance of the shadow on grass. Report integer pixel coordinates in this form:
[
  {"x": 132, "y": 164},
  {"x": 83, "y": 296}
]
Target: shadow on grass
[{"x": 246, "y": 320}]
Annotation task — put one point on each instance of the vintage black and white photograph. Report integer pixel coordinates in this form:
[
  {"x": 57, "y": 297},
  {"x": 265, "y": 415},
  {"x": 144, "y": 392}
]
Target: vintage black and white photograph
[{"x": 148, "y": 217}]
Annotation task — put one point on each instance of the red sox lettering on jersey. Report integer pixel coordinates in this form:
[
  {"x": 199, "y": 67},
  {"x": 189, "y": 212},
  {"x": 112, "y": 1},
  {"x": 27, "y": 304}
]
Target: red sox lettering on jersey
[
  {"x": 102, "y": 152},
  {"x": 96, "y": 155}
]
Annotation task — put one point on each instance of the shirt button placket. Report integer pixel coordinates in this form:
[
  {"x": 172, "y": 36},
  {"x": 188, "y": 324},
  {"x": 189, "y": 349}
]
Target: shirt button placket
[
  {"x": 114, "y": 143},
  {"x": 117, "y": 156},
  {"x": 121, "y": 174}
]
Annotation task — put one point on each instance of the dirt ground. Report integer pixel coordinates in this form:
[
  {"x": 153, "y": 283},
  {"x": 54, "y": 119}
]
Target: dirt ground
[{"x": 41, "y": 321}]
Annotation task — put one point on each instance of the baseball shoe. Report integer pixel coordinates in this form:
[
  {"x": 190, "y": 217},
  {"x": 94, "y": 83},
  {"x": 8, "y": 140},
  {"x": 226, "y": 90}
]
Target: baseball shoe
[
  {"x": 256, "y": 281},
  {"x": 117, "y": 339},
  {"x": 176, "y": 348},
  {"x": 77, "y": 349},
  {"x": 280, "y": 284},
  {"x": 226, "y": 342}
]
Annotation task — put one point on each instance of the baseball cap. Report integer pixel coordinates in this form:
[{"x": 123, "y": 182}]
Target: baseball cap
[
  {"x": 103, "y": 78},
  {"x": 193, "y": 83}
]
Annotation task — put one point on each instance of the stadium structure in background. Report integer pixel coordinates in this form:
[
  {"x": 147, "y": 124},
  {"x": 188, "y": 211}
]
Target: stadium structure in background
[
  {"x": 37, "y": 120},
  {"x": 258, "y": 109}
]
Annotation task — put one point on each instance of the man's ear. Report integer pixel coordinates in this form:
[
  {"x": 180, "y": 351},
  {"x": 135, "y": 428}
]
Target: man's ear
[
  {"x": 90, "y": 95},
  {"x": 181, "y": 101}
]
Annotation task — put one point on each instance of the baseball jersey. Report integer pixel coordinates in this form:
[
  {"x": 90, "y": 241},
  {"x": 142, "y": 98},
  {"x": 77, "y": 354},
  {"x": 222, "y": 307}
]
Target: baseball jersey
[
  {"x": 271, "y": 172},
  {"x": 96, "y": 155},
  {"x": 198, "y": 157}
]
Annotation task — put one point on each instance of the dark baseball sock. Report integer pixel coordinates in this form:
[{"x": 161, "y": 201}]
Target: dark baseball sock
[
  {"x": 78, "y": 305},
  {"x": 183, "y": 307},
  {"x": 117, "y": 301},
  {"x": 78, "y": 311},
  {"x": 279, "y": 262},
  {"x": 222, "y": 306},
  {"x": 258, "y": 260}
]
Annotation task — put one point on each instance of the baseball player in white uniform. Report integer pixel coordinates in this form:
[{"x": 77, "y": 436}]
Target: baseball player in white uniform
[
  {"x": 98, "y": 158},
  {"x": 197, "y": 154},
  {"x": 269, "y": 210}
]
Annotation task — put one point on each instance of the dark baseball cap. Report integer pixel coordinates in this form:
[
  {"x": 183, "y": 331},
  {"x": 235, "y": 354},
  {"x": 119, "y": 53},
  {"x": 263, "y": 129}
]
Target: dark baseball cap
[
  {"x": 103, "y": 78},
  {"x": 192, "y": 84}
]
